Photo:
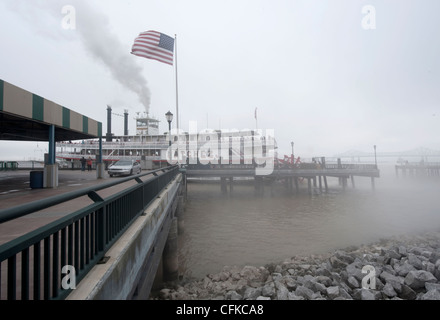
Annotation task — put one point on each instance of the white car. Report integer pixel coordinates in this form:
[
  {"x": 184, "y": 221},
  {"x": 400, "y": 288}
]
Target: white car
[
  {"x": 63, "y": 163},
  {"x": 124, "y": 168}
]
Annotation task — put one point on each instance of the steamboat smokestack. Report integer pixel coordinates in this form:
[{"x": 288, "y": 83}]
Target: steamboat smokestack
[
  {"x": 109, "y": 125},
  {"x": 125, "y": 122}
]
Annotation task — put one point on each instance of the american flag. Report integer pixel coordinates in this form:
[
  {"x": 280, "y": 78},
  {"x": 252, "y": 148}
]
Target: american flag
[{"x": 154, "y": 45}]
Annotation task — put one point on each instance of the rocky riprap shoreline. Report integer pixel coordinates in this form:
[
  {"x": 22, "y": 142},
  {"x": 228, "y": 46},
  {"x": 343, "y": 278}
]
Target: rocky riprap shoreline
[{"x": 405, "y": 268}]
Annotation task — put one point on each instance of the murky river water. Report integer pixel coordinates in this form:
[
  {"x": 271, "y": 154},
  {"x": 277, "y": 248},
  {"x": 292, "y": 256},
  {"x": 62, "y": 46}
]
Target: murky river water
[{"x": 241, "y": 228}]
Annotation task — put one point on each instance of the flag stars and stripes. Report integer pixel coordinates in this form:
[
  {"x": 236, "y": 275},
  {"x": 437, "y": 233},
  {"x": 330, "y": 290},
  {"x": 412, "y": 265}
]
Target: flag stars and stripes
[
  {"x": 166, "y": 42},
  {"x": 154, "y": 45}
]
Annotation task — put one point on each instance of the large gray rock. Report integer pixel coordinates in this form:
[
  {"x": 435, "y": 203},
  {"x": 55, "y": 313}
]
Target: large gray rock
[
  {"x": 415, "y": 261},
  {"x": 389, "y": 291},
  {"x": 282, "y": 292},
  {"x": 402, "y": 251},
  {"x": 379, "y": 284},
  {"x": 344, "y": 256},
  {"x": 233, "y": 295},
  {"x": 435, "y": 255},
  {"x": 268, "y": 290},
  {"x": 319, "y": 287},
  {"x": 416, "y": 250},
  {"x": 388, "y": 268},
  {"x": 278, "y": 269},
  {"x": 431, "y": 285},
  {"x": 366, "y": 294},
  {"x": 291, "y": 283},
  {"x": 325, "y": 280},
  {"x": 344, "y": 294},
  {"x": 252, "y": 293},
  {"x": 417, "y": 279},
  {"x": 263, "y": 298},
  {"x": 332, "y": 292},
  {"x": 304, "y": 292},
  {"x": 337, "y": 263},
  {"x": 395, "y": 281},
  {"x": 437, "y": 270},
  {"x": 432, "y": 294},
  {"x": 352, "y": 282},
  {"x": 392, "y": 254},
  {"x": 293, "y": 296},
  {"x": 428, "y": 266},
  {"x": 407, "y": 293},
  {"x": 355, "y": 270},
  {"x": 277, "y": 276},
  {"x": 251, "y": 273},
  {"x": 404, "y": 268}
]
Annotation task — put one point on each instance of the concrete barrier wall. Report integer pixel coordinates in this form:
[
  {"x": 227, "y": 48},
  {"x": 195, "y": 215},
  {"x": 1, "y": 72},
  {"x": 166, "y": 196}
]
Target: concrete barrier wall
[{"x": 118, "y": 278}]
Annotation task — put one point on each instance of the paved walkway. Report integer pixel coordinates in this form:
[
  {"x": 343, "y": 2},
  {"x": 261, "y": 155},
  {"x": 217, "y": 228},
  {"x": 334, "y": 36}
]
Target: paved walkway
[{"x": 15, "y": 190}]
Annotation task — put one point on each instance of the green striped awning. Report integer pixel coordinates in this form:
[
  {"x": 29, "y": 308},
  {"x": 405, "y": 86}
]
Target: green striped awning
[{"x": 27, "y": 116}]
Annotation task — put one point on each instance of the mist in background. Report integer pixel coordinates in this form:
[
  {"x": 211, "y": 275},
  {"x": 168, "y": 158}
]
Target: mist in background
[
  {"x": 317, "y": 77},
  {"x": 240, "y": 228}
]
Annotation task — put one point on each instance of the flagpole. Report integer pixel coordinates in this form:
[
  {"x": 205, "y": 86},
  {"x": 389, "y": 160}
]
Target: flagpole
[
  {"x": 177, "y": 91},
  {"x": 256, "y": 121}
]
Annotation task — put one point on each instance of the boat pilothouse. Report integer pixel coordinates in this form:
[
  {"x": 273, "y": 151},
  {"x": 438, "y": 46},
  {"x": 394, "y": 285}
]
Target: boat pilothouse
[{"x": 145, "y": 125}]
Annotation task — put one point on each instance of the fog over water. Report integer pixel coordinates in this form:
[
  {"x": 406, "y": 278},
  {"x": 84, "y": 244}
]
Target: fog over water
[{"x": 245, "y": 229}]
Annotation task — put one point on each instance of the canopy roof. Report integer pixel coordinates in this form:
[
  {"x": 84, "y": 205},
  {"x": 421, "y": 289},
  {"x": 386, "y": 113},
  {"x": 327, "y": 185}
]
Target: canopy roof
[{"x": 25, "y": 116}]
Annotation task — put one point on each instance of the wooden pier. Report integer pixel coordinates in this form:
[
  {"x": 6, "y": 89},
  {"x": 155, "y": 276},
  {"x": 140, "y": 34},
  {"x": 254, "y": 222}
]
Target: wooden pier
[
  {"x": 316, "y": 175},
  {"x": 421, "y": 169}
]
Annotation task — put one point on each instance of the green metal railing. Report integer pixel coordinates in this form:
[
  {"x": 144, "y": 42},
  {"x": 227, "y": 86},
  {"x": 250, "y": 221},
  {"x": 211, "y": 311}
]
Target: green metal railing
[{"x": 35, "y": 260}]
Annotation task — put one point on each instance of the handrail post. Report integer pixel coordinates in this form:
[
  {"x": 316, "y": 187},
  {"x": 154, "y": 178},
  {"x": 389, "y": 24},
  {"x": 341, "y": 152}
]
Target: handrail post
[{"x": 102, "y": 228}]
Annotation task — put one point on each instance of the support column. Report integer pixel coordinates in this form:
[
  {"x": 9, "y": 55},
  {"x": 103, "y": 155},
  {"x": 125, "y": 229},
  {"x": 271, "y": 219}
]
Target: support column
[
  {"x": 223, "y": 186},
  {"x": 272, "y": 182},
  {"x": 309, "y": 185},
  {"x": 100, "y": 168},
  {"x": 50, "y": 175},
  {"x": 352, "y": 182},
  {"x": 186, "y": 186},
  {"x": 51, "y": 159},
  {"x": 259, "y": 188},
  {"x": 296, "y": 184},
  {"x": 170, "y": 254},
  {"x": 325, "y": 184},
  {"x": 320, "y": 184}
]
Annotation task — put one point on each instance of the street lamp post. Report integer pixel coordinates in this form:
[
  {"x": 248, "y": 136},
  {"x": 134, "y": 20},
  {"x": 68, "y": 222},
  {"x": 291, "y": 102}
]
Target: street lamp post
[
  {"x": 169, "y": 117},
  {"x": 375, "y": 158}
]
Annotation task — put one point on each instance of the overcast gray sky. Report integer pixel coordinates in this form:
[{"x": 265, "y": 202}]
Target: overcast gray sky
[{"x": 317, "y": 77}]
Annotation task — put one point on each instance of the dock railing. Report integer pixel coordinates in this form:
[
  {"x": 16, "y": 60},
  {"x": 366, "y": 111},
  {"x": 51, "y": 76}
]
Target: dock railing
[{"x": 33, "y": 263}]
